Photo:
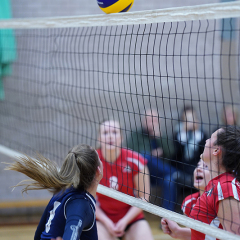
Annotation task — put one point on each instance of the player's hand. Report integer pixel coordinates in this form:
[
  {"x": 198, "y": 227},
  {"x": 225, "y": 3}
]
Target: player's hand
[
  {"x": 158, "y": 152},
  {"x": 170, "y": 227},
  {"x": 120, "y": 227},
  {"x": 110, "y": 226},
  {"x": 58, "y": 238}
]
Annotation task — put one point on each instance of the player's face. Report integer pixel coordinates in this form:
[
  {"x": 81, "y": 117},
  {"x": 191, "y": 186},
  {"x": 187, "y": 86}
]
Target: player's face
[
  {"x": 110, "y": 135},
  {"x": 190, "y": 120},
  {"x": 201, "y": 175},
  {"x": 209, "y": 148}
]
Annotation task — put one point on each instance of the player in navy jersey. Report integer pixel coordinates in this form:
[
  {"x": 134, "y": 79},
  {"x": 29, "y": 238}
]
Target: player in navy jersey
[
  {"x": 201, "y": 177},
  {"x": 70, "y": 214}
]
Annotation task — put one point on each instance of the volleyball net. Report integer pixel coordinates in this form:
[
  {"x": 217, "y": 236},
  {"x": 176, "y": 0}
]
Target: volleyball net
[{"x": 66, "y": 75}]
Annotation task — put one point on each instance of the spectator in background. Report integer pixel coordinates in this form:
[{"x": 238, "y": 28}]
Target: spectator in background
[
  {"x": 158, "y": 150},
  {"x": 230, "y": 115},
  {"x": 189, "y": 144}
]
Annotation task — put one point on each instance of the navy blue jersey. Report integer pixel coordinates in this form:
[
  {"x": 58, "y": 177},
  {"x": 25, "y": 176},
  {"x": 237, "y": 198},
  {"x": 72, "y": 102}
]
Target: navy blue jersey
[{"x": 70, "y": 215}]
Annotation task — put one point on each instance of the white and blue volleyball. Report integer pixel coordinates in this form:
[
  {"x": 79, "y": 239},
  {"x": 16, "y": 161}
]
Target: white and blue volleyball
[{"x": 115, "y": 6}]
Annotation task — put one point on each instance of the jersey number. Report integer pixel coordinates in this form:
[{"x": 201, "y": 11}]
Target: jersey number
[
  {"x": 113, "y": 182},
  {"x": 52, "y": 214}
]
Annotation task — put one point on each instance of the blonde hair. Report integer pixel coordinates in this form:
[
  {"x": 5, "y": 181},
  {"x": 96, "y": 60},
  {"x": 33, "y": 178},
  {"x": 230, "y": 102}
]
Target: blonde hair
[
  {"x": 102, "y": 123},
  {"x": 78, "y": 170}
]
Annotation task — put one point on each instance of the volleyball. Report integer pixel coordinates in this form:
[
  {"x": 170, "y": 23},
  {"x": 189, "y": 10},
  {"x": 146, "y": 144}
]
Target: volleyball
[{"x": 115, "y": 6}]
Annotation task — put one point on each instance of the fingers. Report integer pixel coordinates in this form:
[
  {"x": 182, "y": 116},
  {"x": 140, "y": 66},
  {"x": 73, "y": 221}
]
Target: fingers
[
  {"x": 165, "y": 227},
  {"x": 119, "y": 230},
  {"x": 166, "y": 230},
  {"x": 111, "y": 231},
  {"x": 119, "y": 234},
  {"x": 164, "y": 221}
]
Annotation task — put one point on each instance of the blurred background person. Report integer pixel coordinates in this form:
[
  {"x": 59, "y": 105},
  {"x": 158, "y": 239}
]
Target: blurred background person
[
  {"x": 189, "y": 141},
  {"x": 126, "y": 172},
  {"x": 229, "y": 116},
  {"x": 158, "y": 150}
]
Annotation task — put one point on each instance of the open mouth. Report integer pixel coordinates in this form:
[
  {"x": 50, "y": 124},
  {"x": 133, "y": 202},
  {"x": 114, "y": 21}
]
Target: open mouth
[{"x": 198, "y": 178}]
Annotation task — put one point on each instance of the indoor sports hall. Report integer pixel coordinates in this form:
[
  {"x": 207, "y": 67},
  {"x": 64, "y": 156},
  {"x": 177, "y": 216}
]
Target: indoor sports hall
[{"x": 162, "y": 78}]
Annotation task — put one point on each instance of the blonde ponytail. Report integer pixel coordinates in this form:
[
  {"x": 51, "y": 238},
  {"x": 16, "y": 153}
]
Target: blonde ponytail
[{"x": 78, "y": 170}]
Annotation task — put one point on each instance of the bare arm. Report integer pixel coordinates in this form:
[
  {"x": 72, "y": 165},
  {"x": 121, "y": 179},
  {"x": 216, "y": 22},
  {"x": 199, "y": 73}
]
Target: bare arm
[
  {"x": 174, "y": 230},
  {"x": 229, "y": 215},
  {"x": 142, "y": 190},
  {"x": 142, "y": 187},
  {"x": 142, "y": 184}
]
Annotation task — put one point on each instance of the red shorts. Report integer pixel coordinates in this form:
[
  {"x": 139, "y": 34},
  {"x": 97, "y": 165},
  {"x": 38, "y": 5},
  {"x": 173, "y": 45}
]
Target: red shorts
[{"x": 116, "y": 217}]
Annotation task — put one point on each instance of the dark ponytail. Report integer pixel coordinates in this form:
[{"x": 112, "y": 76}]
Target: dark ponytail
[{"x": 229, "y": 140}]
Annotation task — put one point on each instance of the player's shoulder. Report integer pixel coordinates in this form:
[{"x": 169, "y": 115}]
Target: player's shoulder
[
  {"x": 192, "y": 197},
  {"x": 82, "y": 198},
  {"x": 189, "y": 202},
  {"x": 62, "y": 198},
  {"x": 134, "y": 157},
  {"x": 129, "y": 153},
  {"x": 225, "y": 178},
  {"x": 224, "y": 186},
  {"x": 229, "y": 185},
  {"x": 73, "y": 193},
  {"x": 226, "y": 181}
]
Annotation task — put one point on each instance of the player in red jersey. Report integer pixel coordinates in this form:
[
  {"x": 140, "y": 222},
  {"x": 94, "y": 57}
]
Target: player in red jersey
[
  {"x": 219, "y": 205},
  {"x": 201, "y": 176},
  {"x": 126, "y": 172}
]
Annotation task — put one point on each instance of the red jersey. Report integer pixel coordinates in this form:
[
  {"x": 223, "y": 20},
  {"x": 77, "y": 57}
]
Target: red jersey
[
  {"x": 120, "y": 176},
  {"x": 189, "y": 202},
  {"x": 206, "y": 208}
]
